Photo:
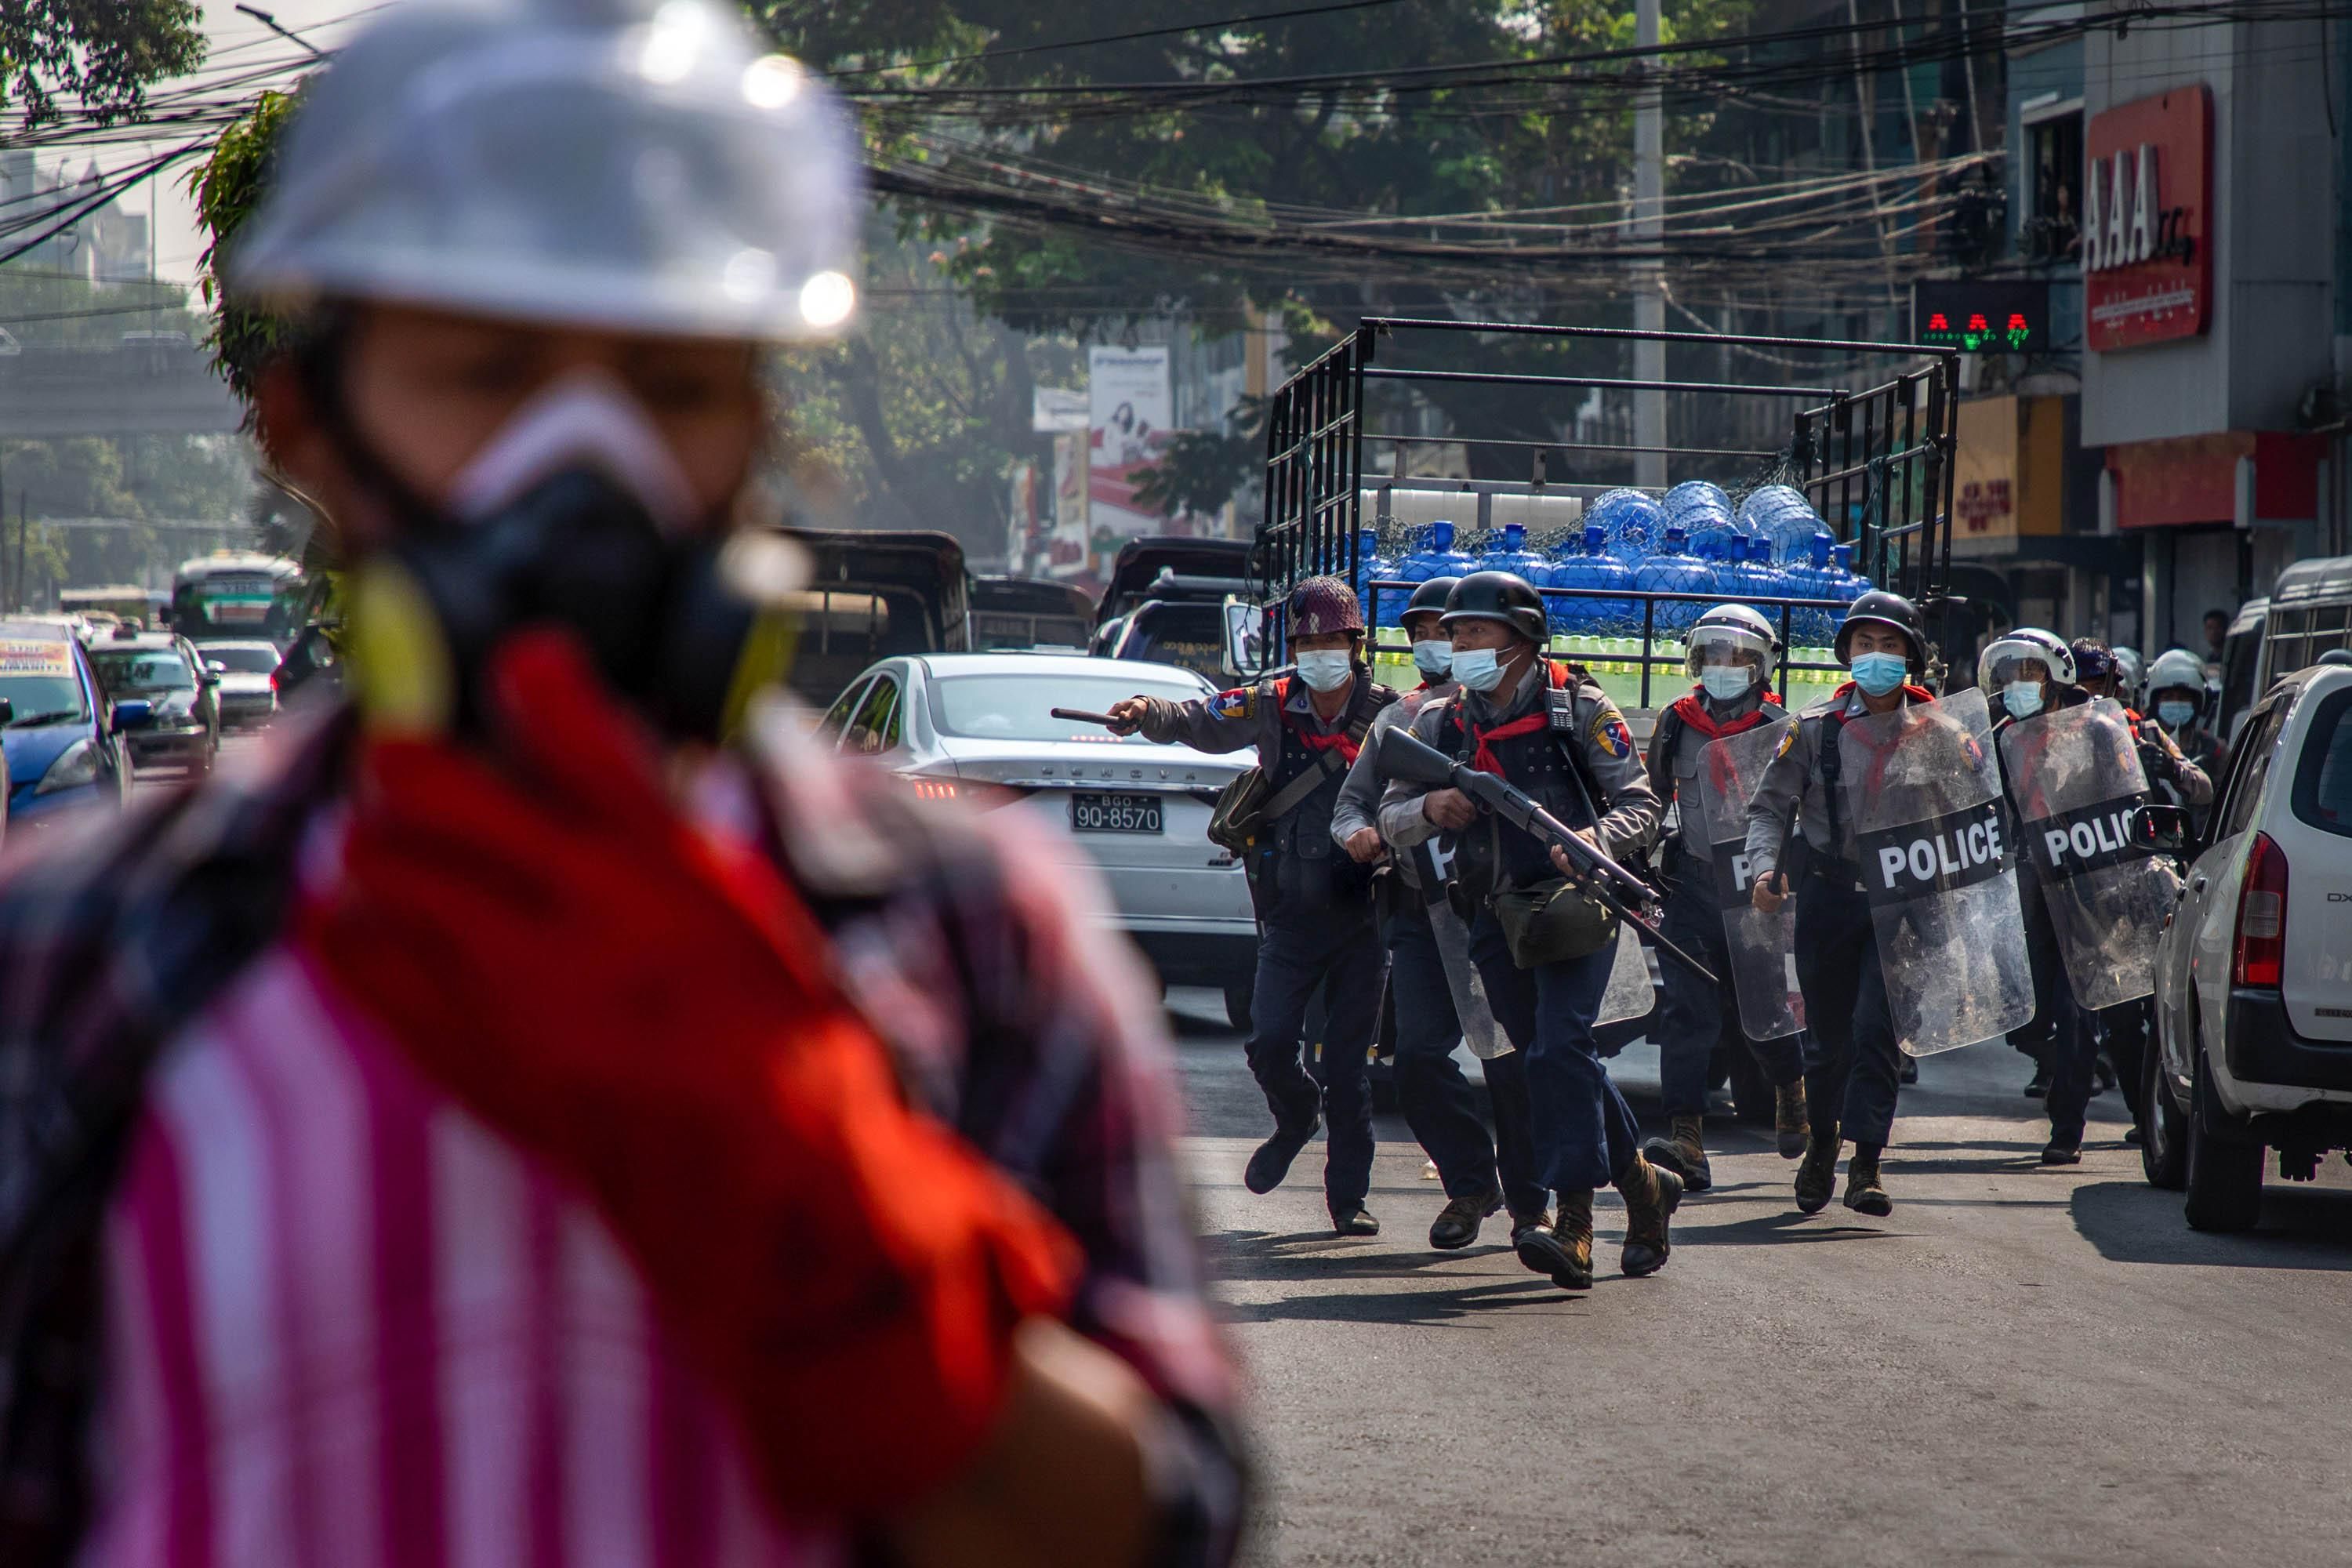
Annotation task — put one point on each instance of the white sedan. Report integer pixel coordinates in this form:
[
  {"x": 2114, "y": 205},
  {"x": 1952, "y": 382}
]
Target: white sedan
[{"x": 978, "y": 727}]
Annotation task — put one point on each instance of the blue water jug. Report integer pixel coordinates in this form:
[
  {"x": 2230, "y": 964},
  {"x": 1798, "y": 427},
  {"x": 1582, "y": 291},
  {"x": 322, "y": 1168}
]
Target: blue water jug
[
  {"x": 1632, "y": 519},
  {"x": 1588, "y": 564},
  {"x": 1738, "y": 580},
  {"x": 1816, "y": 579},
  {"x": 1508, "y": 552},
  {"x": 1704, "y": 513},
  {"x": 1372, "y": 567},
  {"x": 1671, "y": 569}
]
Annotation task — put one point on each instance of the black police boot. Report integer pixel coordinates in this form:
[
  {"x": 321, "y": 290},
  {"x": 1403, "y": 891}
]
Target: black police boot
[
  {"x": 1272, "y": 1162},
  {"x": 1788, "y": 1121},
  {"x": 1565, "y": 1251},
  {"x": 2063, "y": 1150},
  {"x": 1682, "y": 1153},
  {"x": 1651, "y": 1194},
  {"x": 1523, "y": 1222},
  {"x": 1817, "y": 1177},
  {"x": 2037, "y": 1085},
  {"x": 1357, "y": 1221},
  {"x": 1907, "y": 1070},
  {"x": 1864, "y": 1193},
  {"x": 1457, "y": 1223}
]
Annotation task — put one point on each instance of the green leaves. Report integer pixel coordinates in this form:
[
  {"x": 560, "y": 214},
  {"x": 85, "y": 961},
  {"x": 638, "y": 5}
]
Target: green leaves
[
  {"x": 99, "y": 55},
  {"x": 228, "y": 187}
]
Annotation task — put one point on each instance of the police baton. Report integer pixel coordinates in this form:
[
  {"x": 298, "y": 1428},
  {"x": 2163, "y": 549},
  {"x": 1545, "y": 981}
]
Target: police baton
[
  {"x": 1404, "y": 755},
  {"x": 1080, "y": 716}
]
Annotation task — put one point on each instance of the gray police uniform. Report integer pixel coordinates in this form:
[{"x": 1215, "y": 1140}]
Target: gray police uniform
[
  {"x": 1694, "y": 1018},
  {"x": 1852, "y": 1065},
  {"x": 1437, "y": 1099},
  {"x": 1316, "y": 928},
  {"x": 1569, "y": 748}
]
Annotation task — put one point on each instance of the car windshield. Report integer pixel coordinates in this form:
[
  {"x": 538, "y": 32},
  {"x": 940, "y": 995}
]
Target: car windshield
[
  {"x": 244, "y": 659},
  {"x": 132, "y": 670},
  {"x": 1017, "y": 707},
  {"x": 38, "y": 679}
]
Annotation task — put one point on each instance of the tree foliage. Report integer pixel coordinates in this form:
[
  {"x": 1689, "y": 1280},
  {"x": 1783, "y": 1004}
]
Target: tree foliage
[
  {"x": 100, "y": 55},
  {"x": 228, "y": 186}
]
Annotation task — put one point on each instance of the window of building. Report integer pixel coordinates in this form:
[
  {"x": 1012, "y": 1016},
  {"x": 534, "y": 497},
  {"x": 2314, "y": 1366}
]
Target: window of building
[{"x": 2053, "y": 196}]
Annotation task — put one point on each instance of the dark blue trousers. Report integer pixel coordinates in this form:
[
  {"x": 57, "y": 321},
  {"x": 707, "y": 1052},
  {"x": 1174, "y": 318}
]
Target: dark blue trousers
[
  {"x": 1583, "y": 1132},
  {"x": 1437, "y": 1100},
  {"x": 2068, "y": 1036},
  {"x": 1694, "y": 1017},
  {"x": 1852, "y": 1062},
  {"x": 1338, "y": 947}
]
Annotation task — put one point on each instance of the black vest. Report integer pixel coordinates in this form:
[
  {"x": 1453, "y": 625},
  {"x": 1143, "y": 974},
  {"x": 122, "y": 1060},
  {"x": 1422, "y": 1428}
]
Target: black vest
[
  {"x": 1540, "y": 762},
  {"x": 1308, "y": 871}
]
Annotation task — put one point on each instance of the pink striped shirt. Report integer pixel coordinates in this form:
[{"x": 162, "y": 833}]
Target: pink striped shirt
[{"x": 349, "y": 1327}]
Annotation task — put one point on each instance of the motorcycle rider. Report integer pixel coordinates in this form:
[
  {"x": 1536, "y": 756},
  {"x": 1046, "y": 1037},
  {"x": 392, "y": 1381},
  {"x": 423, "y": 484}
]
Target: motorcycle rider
[
  {"x": 1315, "y": 920},
  {"x": 1480, "y": 1172},
  {"x": 472, "y": 1132},
  {"x": 1852, "y": 1067},
  {"x": 1551, "y": 731},
  {"x": 1731, "y": 650}
]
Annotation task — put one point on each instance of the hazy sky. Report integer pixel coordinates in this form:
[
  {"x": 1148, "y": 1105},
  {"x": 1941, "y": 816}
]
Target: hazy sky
[{"x": 236, "y": 39}]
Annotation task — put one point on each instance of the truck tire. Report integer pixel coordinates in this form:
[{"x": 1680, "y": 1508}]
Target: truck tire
[
  {"x": 1751, "y": 1090},
  {"x": 2224, "y": 1173},
  {"x": 2164, "y": 1130}
]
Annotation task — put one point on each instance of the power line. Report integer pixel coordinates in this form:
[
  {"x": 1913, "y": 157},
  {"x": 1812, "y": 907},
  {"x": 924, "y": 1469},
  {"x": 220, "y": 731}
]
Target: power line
[{"x": 1111, "y": 37}]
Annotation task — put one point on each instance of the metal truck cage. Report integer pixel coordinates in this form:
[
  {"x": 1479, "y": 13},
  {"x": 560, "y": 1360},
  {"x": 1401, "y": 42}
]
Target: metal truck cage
[{"x": 1876, "y": 463}]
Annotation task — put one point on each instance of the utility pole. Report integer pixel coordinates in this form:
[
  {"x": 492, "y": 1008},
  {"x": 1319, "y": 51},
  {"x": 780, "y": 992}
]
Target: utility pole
[{"x": 1649, "y": 272}]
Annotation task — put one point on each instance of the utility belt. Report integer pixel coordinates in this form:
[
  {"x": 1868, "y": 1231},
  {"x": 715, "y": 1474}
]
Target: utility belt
[{"x": 1838, "y": 876}]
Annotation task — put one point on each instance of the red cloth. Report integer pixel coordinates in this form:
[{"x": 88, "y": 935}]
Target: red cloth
[
  {"x": 653, "y": 1015},
  {"x": 1484, "y": 759},
  {"x": 1695, "y": 714},
  {"x": 1338, "y": 741}
]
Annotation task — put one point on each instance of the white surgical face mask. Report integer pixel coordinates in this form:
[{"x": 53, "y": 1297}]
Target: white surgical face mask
[
  {"x": 2022, "y": 697},
  {"x": 2175, "y": 714},
  {"x": 1432, "y": 656},
  {"x": 1327, "y": 669},
  {"x": 1479, "y": 668},
  {"x": 1726, "y": 682}
]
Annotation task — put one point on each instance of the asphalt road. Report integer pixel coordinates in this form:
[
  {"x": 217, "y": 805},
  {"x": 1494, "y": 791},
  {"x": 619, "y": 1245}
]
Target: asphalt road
[{"x": 2017, "y": 1365}]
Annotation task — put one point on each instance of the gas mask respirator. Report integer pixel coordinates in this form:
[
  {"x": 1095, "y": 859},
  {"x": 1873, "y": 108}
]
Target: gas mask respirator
[{"x": 575, "y": 516}]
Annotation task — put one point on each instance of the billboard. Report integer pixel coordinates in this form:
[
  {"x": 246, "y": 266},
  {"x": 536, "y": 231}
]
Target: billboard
[
  {"x": 1129, "y": 409},
  {"x": 2147, "y": 221}
]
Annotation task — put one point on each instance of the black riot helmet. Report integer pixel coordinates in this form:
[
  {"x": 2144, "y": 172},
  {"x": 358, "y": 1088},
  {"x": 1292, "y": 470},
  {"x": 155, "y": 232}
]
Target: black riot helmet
[
  {"x": 1497, "y": 596},
  {"x": 1429, "y": 598},
  {"x": 1880, "y": 607}
]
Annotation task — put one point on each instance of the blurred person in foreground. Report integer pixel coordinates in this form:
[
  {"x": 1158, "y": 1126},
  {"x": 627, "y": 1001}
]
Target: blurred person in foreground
[{"x": 549, "y": 1111}]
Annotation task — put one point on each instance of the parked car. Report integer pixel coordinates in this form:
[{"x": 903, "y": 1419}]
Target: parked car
[
  {"x": 245, "y": 681},
  {"x": 976, "y": 727},
  {"x": 2254, "y": 997},
  {"x": 62, "y": 731},
  {"x": 184, "y": 723}
]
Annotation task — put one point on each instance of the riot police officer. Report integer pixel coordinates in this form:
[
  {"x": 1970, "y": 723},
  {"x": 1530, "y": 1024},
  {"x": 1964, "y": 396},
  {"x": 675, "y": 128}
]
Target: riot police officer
[
  {"x": 1731, "y": 650},
  {"x": 1315, "y": 904},
  {"x": 1543, "y": 955},
  {"x": 1852, "y": 1061},
  {"x": 2176, "y": 687},
  {"x": 2022, "y": 675},
  {"x": 1439, "y": 998}
]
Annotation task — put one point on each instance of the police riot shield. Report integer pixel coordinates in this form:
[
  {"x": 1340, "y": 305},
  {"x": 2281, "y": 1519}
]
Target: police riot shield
[
  {"x": 1760, "y": 949},
  {"x": 1630, "y": 993},
  {"x": 1432, "y": 867},
  {"x": 1922, "y": 791},
  {"x": 2075, "y": 775}
]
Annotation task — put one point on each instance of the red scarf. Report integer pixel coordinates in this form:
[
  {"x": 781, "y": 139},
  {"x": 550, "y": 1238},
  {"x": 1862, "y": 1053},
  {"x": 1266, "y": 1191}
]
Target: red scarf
[
  {"x": 1695, "y": 714},
  {"x": 1338, "y": 741},
  {"x": 1484, "y": 758}
]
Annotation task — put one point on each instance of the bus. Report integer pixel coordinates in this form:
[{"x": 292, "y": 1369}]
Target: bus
[
  {"x": 126, "y": 602},
  {"x": 238, "y": 594}
]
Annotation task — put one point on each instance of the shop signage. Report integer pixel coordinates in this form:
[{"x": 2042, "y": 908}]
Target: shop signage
[{"x": 2148, "y": 264}]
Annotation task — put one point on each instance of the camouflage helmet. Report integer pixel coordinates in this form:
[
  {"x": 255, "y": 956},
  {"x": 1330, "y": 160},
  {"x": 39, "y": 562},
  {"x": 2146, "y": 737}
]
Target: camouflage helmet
[{"x": 1323, "y": 604}]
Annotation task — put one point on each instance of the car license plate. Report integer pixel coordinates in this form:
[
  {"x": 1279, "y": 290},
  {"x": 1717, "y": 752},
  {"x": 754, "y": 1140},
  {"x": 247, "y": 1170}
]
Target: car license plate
[{"x": 1115, "y": 814}]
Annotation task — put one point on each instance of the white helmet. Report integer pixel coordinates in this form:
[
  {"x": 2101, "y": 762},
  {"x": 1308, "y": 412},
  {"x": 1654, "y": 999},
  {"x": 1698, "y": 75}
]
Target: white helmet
[
  {"x": 2130, "y": 670},
  {"x": 583, "y": 162},
  {"x": 1736, "y": 629},
  {"x": 2004, "y": 658},
  {"x": 2177, "y": 668}
]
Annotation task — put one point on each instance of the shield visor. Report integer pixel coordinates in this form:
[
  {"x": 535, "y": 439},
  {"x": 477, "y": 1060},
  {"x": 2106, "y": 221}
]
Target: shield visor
[
  {"x": 1731, "y": 646},
  {"x": 2013, "y": 659},
  {"x": 1761, "y": 949},
  {"x": 1922, "y": 791},
  {"x": 2074, "y": 775}
]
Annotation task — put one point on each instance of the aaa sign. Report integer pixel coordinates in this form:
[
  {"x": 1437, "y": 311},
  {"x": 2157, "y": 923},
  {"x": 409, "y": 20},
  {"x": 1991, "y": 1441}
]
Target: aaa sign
[{"x": 2147, "y": 265}]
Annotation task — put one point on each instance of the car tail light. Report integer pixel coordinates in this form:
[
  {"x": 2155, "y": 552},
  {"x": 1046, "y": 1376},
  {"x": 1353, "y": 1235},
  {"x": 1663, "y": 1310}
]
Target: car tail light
[
  {"x": 976, "y": 793},
  {"x": 2261, "y": 949}
]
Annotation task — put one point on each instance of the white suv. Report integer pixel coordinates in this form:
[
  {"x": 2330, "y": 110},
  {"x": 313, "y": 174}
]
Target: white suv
[{"x": 2253, "y": 979}]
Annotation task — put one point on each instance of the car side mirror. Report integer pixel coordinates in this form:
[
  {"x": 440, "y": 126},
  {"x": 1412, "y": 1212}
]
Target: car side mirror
[
  {"x": 2157, "y": 829},
  {"x": 1244, "y": 637},
  {"x": 216, "y": 669},
  {"x": 133, "y": 713}
]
